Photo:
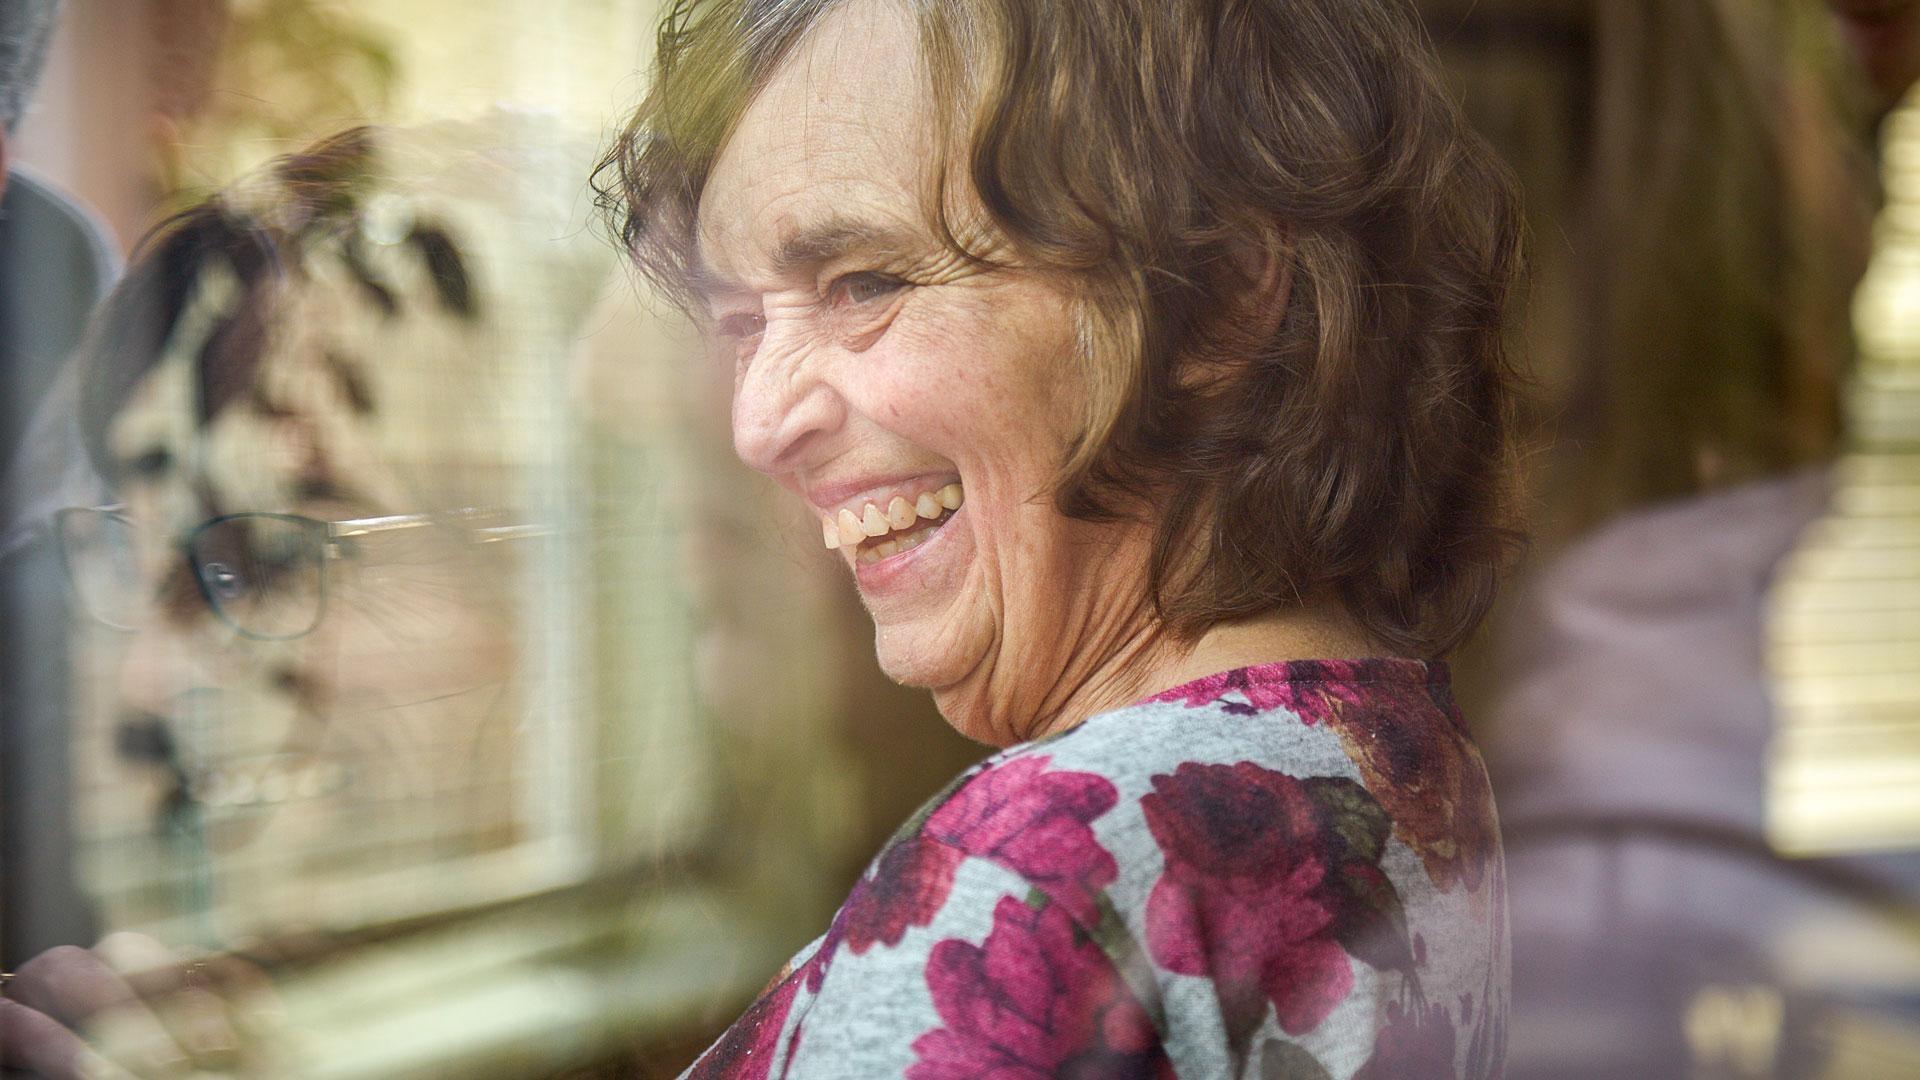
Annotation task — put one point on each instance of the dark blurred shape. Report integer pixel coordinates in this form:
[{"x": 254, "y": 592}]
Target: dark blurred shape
[
  {"x": 1700, "y": 192},
  {"x": 54, "y": 264},
  {"x": 1886, "y": 36}
]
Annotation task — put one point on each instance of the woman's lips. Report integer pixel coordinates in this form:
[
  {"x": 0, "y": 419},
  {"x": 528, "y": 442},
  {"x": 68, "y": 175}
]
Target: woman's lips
[{"x": 885, "y": 572}]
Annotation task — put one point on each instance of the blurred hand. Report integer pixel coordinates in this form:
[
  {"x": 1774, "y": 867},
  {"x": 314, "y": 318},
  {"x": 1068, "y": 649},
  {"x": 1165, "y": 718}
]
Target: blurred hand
[{"x": 132, "y": 1008}]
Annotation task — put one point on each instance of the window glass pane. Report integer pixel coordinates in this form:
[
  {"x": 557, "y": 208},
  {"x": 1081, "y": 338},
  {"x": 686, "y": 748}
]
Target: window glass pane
[{"x": 509, "y": 726}]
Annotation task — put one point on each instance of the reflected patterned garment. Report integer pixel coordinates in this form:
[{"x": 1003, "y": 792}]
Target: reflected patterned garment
[{"x": 1282, "y": 871}]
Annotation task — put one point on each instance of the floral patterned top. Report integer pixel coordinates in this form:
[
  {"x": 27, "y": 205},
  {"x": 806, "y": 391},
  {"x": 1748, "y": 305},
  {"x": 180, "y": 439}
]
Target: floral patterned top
[{"x": 1282, "y": 871}]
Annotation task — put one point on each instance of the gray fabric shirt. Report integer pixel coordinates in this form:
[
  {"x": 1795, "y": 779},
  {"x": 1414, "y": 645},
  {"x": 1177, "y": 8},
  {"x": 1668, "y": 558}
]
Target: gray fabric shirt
[{"x": 1288, "y": 870}]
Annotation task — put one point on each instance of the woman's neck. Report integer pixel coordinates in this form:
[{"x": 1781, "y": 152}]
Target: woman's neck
[{"x": 1155, "y": 661}]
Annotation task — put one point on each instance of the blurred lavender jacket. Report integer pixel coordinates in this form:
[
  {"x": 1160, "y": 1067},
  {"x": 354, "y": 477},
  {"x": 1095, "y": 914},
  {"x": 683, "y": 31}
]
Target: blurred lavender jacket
[{"x": 1629, "y": 757}]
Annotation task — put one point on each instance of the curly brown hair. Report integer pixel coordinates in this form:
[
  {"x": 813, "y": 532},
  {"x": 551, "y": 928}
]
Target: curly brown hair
[{"x": 1294, "y": 255}]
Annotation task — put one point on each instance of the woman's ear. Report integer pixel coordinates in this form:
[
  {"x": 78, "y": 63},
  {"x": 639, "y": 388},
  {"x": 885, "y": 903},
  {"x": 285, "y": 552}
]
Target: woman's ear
[
  {"x": 1263, "y": 266},
  {"x": 1251, "y": 286}
]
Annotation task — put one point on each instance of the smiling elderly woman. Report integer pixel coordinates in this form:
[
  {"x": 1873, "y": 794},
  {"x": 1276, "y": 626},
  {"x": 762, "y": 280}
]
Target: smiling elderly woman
[{"x": 1137, "y": 356}]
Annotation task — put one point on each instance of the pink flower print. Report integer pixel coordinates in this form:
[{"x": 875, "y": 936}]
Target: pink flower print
[
  {"x": 1037, "y": 824},
  {"x": 747, "y": 1049},
  {"x": 1398, "y": 723},
  {"x": 1031, "y": 821},
  {"x": 1306, "y": 688},
  {"x": 1421, "y": 767},
  {"x": 1245, "y": 900},
  {"x": 907, "y": 888},
  {"x": 1037, "y": 1000}
]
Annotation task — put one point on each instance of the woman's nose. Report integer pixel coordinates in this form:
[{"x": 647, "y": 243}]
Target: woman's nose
[
  {"x": 159, "y": 664},
  {"x": 785, "y": 411}
]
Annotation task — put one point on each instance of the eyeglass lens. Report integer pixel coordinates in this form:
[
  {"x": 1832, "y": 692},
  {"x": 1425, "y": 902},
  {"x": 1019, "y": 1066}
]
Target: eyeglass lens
[
  {"x": 262, "y": 573},
  {"x": 103, "y": 561}
]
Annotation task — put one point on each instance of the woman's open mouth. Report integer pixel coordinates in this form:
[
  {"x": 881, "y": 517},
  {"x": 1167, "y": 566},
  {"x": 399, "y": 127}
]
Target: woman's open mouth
[{"x": 905, "y": 522}]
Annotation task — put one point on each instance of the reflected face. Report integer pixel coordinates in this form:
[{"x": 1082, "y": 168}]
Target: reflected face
[
  {"x": 336, "y": 692},
  {"x": 919, "y": 404}
]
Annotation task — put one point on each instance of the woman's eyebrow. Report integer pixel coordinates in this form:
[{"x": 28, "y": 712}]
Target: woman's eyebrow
[
  {"x": 833, "y": 237},
  {"x": 154, "y": 464},
  {"x": 805, "y": 248}
]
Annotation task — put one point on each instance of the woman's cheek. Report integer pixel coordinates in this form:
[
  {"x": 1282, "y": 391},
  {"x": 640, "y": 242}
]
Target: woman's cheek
[
  {"x": 914, "y": 393},
  {"x": 418, "y": 641}
]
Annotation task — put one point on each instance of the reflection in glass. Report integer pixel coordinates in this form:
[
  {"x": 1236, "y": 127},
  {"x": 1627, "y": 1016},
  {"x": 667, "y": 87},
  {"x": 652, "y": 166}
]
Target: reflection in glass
[{"x": 263, "y": 574}]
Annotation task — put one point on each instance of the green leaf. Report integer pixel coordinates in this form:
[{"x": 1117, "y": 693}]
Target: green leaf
[
  {"x": 1123, "y": 950},
  {"x": 918, "y": 820},
  {"x": 1355, "y": 817},
  {"x": 1111, "y": 932},
  {"x": 1368, "y": 920},
  {"x": 1290, "y": 1061}
]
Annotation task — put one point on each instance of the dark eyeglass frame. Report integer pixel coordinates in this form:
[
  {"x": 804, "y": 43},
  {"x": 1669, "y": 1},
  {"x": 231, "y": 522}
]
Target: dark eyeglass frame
[{"x": 330, "y": 540}]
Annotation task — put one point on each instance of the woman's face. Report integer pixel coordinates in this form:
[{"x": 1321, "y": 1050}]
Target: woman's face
[{"x": 873, "y": 365}]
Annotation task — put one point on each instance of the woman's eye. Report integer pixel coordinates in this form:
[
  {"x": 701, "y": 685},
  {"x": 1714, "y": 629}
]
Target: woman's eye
[
  {"x": 224, "y": 582},
  {"x": 741, "y": 327},
  {"x": 864, "y": 287}
]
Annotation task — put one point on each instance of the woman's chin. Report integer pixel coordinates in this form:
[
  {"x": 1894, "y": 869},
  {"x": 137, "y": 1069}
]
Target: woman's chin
[
  {"x": 914, "y": 656},
  {"x": 921, "y": 602},
  {"x": 954, "y": 676}
]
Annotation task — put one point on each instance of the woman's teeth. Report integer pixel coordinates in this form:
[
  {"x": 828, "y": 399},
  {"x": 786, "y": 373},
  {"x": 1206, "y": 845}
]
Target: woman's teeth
[{"x": 909, "y": 522}]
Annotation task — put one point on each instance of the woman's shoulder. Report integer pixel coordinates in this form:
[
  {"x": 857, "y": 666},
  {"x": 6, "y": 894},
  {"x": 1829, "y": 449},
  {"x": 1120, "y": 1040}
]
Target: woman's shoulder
[
  {"x": 1364, "y": 747},
  {"x": 1303, "y": 852}
]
